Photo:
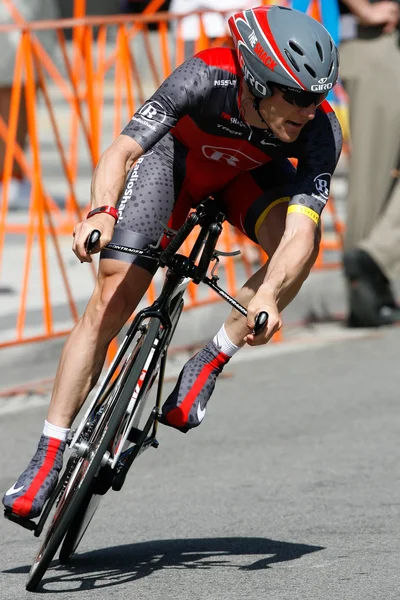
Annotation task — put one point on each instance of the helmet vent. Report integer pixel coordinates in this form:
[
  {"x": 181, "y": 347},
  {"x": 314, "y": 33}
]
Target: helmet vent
[
  {"x": 292, "y": 61},
  {"x": 319, "y": 48},
  {"x": 330, "y": 69},
  {"x": 311, "y": 71},
  {"x": 296, "y": 48}
]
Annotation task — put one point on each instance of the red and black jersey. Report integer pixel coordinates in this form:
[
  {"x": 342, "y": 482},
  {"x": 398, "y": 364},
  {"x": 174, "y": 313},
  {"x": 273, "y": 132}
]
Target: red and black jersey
[{"x": 199, "y": 104}]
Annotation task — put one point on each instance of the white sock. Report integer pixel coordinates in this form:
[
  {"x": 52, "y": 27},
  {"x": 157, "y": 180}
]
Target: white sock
[
  {"x": 223, "y": 343},
  {"x": 60, "y": 433}
]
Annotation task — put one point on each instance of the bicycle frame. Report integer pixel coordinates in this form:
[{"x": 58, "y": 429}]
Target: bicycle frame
[
  {"x": 166, "y": 308},
  {"x": 181, "y": 270}
]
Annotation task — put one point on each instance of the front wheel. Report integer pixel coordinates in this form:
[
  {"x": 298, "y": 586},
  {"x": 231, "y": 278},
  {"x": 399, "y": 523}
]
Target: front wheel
[{"x": 76, "y": 493}]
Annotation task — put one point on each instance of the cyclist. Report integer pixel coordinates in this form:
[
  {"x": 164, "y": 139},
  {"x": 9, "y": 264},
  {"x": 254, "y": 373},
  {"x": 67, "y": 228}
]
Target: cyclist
[{"x": 224, "y": 123}]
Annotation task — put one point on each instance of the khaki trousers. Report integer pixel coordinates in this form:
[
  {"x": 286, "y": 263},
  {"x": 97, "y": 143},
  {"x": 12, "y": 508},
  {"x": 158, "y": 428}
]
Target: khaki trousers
[{"x": 370, "y": 71}]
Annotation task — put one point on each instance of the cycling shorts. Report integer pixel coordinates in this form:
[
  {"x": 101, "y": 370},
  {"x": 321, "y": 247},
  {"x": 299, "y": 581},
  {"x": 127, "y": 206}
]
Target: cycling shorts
[{"x": 169, "y": 180}]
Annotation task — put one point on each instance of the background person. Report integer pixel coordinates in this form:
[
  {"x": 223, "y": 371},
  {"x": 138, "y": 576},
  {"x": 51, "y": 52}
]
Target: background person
[
  {"x": 214, "y": 24},
  {"x": 370, "y": 70},
  {"x": 138, "y": 6},
  {"x": 30, "y": 10}
]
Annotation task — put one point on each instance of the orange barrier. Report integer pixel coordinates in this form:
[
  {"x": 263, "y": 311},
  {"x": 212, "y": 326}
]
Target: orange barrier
[{"x": 80, "y": 97}]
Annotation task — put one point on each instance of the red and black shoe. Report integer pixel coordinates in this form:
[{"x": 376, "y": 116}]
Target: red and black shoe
[
  {"x": 28, "y": 495},
  {"x": 186, "y": 406}
]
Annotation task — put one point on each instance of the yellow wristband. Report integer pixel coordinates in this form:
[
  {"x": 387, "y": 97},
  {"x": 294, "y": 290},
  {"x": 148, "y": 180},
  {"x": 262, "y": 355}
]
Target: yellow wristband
[{"x": 304, "y": 210}]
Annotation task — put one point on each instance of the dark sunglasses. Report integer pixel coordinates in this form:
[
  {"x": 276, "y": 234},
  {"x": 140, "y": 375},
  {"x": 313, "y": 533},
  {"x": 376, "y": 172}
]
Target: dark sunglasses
[{"x": 300, "y": 98}]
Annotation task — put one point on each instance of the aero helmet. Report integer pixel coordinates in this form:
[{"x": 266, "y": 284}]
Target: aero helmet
[{"x": 282, "y": 46}]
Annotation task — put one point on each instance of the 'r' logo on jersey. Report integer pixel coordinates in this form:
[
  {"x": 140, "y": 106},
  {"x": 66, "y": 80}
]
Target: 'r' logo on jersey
[
  {"x": 221, "y": 156},
  {"x": 231, "y": 157}
]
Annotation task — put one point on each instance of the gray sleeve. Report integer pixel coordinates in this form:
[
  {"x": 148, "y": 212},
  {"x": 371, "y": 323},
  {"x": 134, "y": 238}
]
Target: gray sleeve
[
  {"x": 319, "y": 156},
  {"x": 184, "y": 92}
]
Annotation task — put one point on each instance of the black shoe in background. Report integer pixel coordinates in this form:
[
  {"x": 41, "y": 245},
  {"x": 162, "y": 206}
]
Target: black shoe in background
[{"x": 371, "y": 300}]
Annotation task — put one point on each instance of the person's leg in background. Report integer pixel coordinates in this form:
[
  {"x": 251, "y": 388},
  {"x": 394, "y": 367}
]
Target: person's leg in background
[
  {"x": 8, "y": 47},
  {"x": 370, "y": 69},
  {"x": 383, "y": 246},
  {"x": 31, "y": 10},
  {"x": 17, "y": 175}
]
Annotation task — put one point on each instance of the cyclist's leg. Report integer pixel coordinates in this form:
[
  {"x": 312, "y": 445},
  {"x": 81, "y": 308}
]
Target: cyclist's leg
[
  {"x": 148, "y": 200},
  {"x": 256, "y": 203},
  {"x": 153, "y": 192},
  {"x": 119, "y": 288}
]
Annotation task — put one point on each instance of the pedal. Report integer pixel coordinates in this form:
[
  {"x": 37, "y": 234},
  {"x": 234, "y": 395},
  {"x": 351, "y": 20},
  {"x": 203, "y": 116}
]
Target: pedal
[
  {"x": 161, "y": 419},
  {"x": 102, "y": 483},
  {"x": 70, "y": 437},
  {"x": 134, "y": 435},
  {"x": 118, "y": 482},
  {"x": 23, "y": 521}
]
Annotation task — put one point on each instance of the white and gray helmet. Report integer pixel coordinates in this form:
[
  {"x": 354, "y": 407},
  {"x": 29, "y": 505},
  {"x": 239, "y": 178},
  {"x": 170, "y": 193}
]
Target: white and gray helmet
[{"x": 283, "y": 46}]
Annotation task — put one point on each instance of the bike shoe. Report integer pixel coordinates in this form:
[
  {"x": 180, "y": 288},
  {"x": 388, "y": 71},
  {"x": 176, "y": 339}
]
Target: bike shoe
[
  {"x": 185, "y": 407},
  {"x": 28, "y": 495}
]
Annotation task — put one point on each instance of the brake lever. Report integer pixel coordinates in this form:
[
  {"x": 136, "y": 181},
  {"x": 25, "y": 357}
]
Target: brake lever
[
  {"x": 215, "y": 257},
  {"x": 217, "y": 253}
]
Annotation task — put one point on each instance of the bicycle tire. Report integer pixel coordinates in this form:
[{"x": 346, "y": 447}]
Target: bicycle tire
[
  {"x": 87, "y": 467},
  {"x": 82, "y": 519},
  {"x": 78, "y": 527}
]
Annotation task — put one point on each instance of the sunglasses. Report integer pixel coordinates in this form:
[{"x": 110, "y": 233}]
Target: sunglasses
[{"x": 300, "y": 98}]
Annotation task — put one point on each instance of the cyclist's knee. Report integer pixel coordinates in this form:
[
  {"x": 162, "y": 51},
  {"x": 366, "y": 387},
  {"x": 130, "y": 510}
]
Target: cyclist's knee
[{"x": 118, "y": 291}]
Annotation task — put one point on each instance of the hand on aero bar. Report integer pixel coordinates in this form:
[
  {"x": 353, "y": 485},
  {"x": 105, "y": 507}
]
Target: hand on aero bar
[
  {"x": 104, "y": 223},
  {"x": 262, "y": 301}
]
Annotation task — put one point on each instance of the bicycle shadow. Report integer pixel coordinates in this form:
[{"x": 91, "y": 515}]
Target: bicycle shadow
[{"x": 118, "y": 565}]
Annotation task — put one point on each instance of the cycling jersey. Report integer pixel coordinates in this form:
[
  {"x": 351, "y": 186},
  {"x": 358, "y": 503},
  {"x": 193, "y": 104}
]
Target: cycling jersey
[
  {"x": 199, "y": 102},
  {"x": 197, "y": 144}
]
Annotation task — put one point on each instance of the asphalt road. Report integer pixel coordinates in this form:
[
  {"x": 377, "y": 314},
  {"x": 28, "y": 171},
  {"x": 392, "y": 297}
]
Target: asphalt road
[{"x": 289, "y": 490}]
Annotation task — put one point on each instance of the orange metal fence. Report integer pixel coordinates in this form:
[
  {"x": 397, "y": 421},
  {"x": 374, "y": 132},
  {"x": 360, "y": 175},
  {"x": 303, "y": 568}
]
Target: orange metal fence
[{"x": 78, "y": 99}]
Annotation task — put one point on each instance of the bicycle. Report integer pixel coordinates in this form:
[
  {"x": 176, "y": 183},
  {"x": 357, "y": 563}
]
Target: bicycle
[{"x": 115, "y": 429}]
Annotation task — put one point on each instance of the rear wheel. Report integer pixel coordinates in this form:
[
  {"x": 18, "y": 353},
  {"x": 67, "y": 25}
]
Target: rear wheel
[{"x": 77, "y": 504}]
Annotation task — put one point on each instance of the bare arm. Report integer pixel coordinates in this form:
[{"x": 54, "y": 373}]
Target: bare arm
[
  {"x": 287, "y": 270},
  {"x": 109, "y": 177},
  {"x": 108, "y": 183},
  {"x": 382, "y": 13},
  {"x": 292, "y": 255}
]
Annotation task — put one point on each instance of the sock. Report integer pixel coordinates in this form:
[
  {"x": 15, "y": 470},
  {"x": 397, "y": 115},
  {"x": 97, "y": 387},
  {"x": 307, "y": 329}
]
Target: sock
[
  {"x": 53, "y": 431},
  {"x": 224, "y": 344}
]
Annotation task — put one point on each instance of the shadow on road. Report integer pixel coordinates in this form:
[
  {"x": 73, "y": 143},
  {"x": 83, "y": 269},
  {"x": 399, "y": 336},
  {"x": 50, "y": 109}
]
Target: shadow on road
[{"x": 122, "y": 564}]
